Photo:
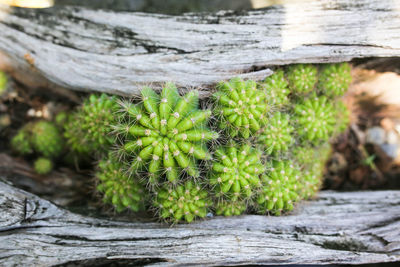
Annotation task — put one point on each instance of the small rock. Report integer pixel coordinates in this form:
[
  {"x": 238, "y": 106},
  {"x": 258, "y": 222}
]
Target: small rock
[
  {"x": 392, "y": 150},
  {"x": 376, "y": 135},
  {"x": 392, "y": 137}
]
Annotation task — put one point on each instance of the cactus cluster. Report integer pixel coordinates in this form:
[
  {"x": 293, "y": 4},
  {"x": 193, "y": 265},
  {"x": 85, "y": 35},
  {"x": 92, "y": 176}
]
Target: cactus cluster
[
  {"x": 41, "y": 138},
  {"x": 263, "y": 150}
]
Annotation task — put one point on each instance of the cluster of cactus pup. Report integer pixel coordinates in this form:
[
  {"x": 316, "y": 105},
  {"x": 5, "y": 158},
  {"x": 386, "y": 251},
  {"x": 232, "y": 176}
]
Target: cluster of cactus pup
[{"x": 258, "y": 147}]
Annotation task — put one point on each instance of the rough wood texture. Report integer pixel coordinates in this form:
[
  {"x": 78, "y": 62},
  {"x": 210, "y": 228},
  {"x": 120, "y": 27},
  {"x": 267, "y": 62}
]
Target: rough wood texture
[
  {"x": 84, "y": 49},
  {"x": 359, "y": 227}
]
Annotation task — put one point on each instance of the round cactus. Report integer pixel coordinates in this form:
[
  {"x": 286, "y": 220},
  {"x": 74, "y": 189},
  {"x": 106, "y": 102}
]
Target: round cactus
[
  {"x": 88, "y": 130},
  {"x": 342, "y": 116},
  {"x": 280, "y": 187},
  {"x": 43, "y": 166},
  {"x": 309, "y": 184},
  {"x": 20, "y": 142},
  {"x": 241, "y": 107},
  {"x": 46, "y": 139},
  {"x": 230, "y": 207},
  {"x": 182, "y": 203},
  {"x": 119, "y": 189},
  {"x": 236, "y": 171},
  {"x": 302, "y": 77},
  {"x": 334, "y": 79},
  {"x": 165, "y": 134},
  {"x": 315, "y": 119},
  {"x": 277, "y": 136},
  {"x": 3, "y": 82},
  {"x": 304, "y": 155},
  {"x": 276, "y": 89}
]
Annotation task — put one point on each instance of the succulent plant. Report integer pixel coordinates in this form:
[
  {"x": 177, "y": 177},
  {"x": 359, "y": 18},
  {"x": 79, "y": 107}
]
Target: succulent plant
[
  {"x": 342, "y": 116},
  {"x": 309, "y": 184},
  {"x": 88, "y": 129},
  {"x": 277, "y": 135},
  {"x": 315, "y": 118},
  {"x": 119, "y": 189},
  {"x": 61, "y": 119},
  {"x": 334, "y": 79},
  {"x": 165, "y": 134},
  {"x": 280, "y": 187},
  {"x": 20, "y": 143},
  {"x": 276, "y": 89},
  {"x": 43, "y": 165},
  {"x": 302, "y": 77},
  {"x": 230, "y": 207},
  {"x": 184, "y": 202},
  {"x": 46, "y": 139},
  {"x": 241, "y": 107},
  {"x": 3, "y": 82},
  {"x": 236, "y": 170}
]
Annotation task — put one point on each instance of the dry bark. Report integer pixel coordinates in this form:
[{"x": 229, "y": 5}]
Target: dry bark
[
  {"x": 353, "y": 228},
  {"x": 119, "y": 52}
]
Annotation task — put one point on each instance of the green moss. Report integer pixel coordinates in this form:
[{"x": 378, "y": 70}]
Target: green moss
[
  {"x": 182, "y": 203},
  {"x": 43, "y": 166},
  {"x": 241, "y": 107},
  {"x": 165, "y": 134}
]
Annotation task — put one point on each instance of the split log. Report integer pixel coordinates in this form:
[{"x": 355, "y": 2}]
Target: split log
[
  {"x": 119, "y": 52},
  {"x": 345, "y": 228}
]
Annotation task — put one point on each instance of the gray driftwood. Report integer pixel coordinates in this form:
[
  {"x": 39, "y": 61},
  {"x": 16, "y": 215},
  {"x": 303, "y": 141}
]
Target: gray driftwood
[
  {"x": 355, "y": 228},
  {"x": 119, "y": 52}
]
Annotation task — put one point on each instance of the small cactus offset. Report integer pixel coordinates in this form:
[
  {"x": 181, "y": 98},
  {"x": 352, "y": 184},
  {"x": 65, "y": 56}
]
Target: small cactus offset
[
  {"x": 230, "y": 207},
  {"x": 165, "y": 134},
  {"x": 47, "y": 139},
  {"x": 88, "y": 129},
  {"x": 277, "y": 136},
  {"x": 342, "y": 116},
  {"x": 43, "y": 166},
  {"x": 334, "y": 79},
  {"x": 236, "y": 171},
  {"x": 182, "y": 203},
  {"x": 241, "y": 107},
  {"x": 119, "y": 189},
  {"x": 276, "y": 89},
  {"x": 315, "y": 118},
  {"x": 280, "y": 188},
  {"x": 20, "y": 143},
  {"x": 302, "y": 78}
]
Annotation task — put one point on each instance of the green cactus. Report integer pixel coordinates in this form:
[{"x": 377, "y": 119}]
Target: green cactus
[
  {"x": 280, "y": 187},
  {"x": 315, "y": 118},
  {"x": 165, "y": 134},
  {"x": 46, "y": 139},
  {"x": 342, "y": 116},
  {"x": 276, "y": 89},
  {"x": 302, "y": 78},
  {"x": 20, "y": 143},
  {"x": 182, "y": 203},
  {"x": 277, "y": 135},
  {"x": 3, "y": 82},
  {"x": 236, "y": 170},
  {"x": 119, "y": 189},
  {"x": 309, "y": 184},
  {"x": 88, "y": 129},
  {"x": 334, "y": 79},
  {"x": 230, "y": 207},
  {"x": 43, "y": 166},
  {"x": 241, "y": 107}
]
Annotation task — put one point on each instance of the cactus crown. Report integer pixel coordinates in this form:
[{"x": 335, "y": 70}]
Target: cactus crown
[
  {"x": 183, "y": 202},
  {"x": 165, "y": 134},
  {"x": 43, "y": 165},
  {"x": 334, "y": 79},
  {"x": 276, "y": 89},
  {"x": 241, "y": 107},
  {"x": 302, "y": 78}
]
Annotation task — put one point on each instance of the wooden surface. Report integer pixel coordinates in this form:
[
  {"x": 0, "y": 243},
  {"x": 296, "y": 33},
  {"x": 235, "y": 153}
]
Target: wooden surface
[
  {"x": 354, "y": 228},
  {"x": 119, "y": 52}
]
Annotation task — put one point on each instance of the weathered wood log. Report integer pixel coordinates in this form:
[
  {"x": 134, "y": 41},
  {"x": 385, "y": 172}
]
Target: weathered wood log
[
  {"x": 355, "y": 228},
  {"x": 119, "y": 52}
]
